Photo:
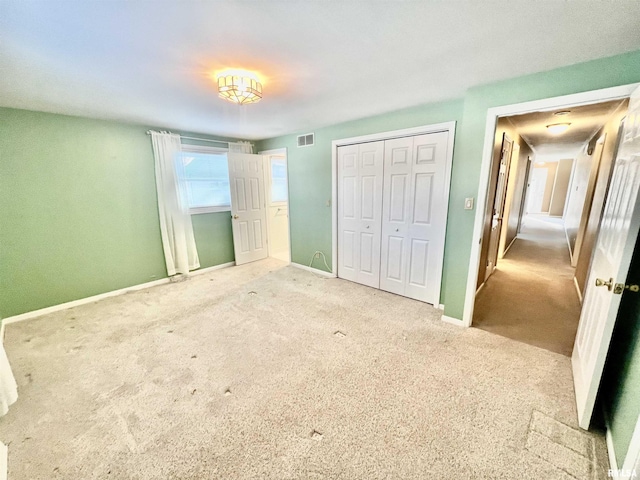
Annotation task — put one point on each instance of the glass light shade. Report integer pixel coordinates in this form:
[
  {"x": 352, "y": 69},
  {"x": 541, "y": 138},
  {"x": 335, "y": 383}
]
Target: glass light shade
[
  {"x": 238, "y": 89},
  {"x": 558, "y": 128}
]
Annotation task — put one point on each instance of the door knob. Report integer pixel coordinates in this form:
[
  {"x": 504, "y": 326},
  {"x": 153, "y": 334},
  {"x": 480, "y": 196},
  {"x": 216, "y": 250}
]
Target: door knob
[
  {"x": 397, "y": 229},
  {"x": 235, "y": 216},
  {"x": 603, "y": 283},
  {"x": 621, "y": 287},
  {"x": 367, "y": 226}
]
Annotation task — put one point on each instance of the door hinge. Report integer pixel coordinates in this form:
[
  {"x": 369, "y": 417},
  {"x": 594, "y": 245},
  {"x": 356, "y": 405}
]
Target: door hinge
[{"x": 621, "y": 287}]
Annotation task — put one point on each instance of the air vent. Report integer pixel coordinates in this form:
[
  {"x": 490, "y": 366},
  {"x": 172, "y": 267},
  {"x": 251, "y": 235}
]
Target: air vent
[{"x": 305, "y": 140}]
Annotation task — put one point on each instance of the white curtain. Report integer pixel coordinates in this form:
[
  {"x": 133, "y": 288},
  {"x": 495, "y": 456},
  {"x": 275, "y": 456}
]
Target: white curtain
[
  {"x": 8, "y": 386},
  {"x": 241, "y": 147},
  {"x": 176, "y": 228}
]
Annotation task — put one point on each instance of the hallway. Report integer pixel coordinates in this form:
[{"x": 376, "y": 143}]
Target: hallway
[{"x": 531, "y": 296}]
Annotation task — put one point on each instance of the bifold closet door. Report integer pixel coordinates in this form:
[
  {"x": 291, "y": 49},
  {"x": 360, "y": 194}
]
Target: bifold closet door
[
  {"x": 360, "y": 181},
  {"x": 413, "y": 218}
]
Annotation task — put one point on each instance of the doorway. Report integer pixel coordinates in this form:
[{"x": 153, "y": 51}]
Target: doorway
[
  {"x": 526, "y": 291},
  {"x": 276, "y": 179}
]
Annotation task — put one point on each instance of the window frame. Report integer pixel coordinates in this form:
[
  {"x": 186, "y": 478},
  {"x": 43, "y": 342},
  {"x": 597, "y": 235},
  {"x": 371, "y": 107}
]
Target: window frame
[
  {"x": 270, "y": 157},
  {"x": 186, "y": 148}
]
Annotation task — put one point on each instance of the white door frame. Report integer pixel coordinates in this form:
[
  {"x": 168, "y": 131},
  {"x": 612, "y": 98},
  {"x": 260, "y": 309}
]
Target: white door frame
[
  {"x": 449, "y": 127},
  {"x": 268, "y": 153},
  {"x": 583, "y": 98}
]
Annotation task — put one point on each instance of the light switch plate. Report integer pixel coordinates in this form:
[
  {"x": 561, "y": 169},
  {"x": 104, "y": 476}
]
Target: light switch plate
[{"x": 468, "y": 203}]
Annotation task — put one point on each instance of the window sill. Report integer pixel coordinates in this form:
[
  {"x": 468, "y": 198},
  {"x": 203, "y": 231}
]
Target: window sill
[{"x": 199, "y": 210}]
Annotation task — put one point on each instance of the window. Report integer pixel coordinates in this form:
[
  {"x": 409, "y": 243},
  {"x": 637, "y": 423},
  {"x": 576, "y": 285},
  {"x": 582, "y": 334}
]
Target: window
[
  {"x": 279, "y": 191},
  {"x": 204, "y": 175}
]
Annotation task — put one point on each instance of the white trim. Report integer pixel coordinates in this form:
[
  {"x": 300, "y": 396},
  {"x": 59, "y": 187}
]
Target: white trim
[
  {"x": 2, "y": 332},
  {"x": 4, "y": 462},
  {"x": 209, "y": 209},
  {"x": 101, "y": 296},
  {"x": 583, "y": 98},
  {"x": 480, "y": 287},
  {"x": 212, "y": 269},
  {"x": 453, "y": 321},
  {"x": 440, "y": 307},
  {"x": 277, "y": 152},
  {"x": 82, "y": 301},
  {"x": 449, "y": 127},
  {"x": 313, "y": 270},
  {"x": 575, "y": 283}
]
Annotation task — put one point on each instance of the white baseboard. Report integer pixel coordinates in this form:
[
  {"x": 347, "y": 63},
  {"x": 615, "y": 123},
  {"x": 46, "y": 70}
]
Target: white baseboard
[
  {"x": 440, "y": 307},
  {"x": 452, "y": 320},
  {"x": 480, "y": 287},
  {"x": 2, "y": 332},
  {"x": 313, "y": 270},
  {"x": 4, "y": 461},
  {"x": 211, "y": 269},
  {"x": 101, "y": 296},
  {"x": 613, "y": 461},
  {"x": 575, "y": 283}
]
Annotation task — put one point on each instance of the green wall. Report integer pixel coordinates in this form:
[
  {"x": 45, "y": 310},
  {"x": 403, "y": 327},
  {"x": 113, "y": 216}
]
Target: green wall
[
  {"x": 310, "y": 172},
  {"x": 78, "y": 211},
  {"x": 621, "y": 394},
  {"x": 310, "y": 167}
]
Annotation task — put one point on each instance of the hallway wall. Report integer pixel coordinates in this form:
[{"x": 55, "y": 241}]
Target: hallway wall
[
  {"x": 599, "y": 195},
  {"x": 504, "y": 126}
]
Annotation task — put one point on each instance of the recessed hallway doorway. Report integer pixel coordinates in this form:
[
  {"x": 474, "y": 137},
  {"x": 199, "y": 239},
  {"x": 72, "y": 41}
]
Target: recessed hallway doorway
[{"x": 531, "y": 296}]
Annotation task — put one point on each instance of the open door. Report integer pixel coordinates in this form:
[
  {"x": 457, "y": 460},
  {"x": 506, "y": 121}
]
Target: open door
[
  {"x": 248, "y": 209},
  {"x": 498, "y": 206},
  {"x": 609, "y": 266}
]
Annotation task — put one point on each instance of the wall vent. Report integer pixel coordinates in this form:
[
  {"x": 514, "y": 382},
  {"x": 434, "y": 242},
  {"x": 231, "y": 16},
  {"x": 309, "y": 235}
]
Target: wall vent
[{"x": 305, "y": 140}]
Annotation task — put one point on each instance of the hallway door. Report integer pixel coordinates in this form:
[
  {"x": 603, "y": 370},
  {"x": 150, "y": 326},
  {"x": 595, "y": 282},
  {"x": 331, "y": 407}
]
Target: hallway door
[
  {"x": 619, "y": 228},
  {"x": 498, "y": 205}
]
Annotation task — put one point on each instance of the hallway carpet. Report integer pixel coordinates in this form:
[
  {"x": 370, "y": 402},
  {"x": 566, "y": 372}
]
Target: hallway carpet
[
  {"x": 531, "y": 296},
  {"x": 265, "y": 371}
]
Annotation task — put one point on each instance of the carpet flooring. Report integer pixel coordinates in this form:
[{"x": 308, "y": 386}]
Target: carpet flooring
[
  {"x": 531, "y": 296},
  {"x": 265, "y": 371}
]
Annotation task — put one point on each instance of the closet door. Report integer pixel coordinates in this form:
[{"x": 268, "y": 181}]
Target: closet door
[
  {"x": 427, "y": 217},
  {"x": 360, "y": 212},
  {"x": 413, "y": 215},
  {"x": 398, "y": 161}
]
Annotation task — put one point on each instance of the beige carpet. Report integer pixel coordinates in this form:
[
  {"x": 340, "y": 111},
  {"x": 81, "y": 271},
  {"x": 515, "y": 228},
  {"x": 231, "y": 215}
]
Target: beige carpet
[
  {"x": 269, "y": 372},
  {"x": 531, "y": 296}
]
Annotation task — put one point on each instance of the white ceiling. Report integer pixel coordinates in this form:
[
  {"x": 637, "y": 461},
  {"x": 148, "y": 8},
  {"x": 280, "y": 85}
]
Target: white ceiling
[
  {"x": 585, "y": 121},
  {"x": 322, "y": 62}
]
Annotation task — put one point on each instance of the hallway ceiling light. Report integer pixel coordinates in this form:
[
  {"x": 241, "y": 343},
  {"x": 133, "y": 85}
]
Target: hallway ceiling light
[
  {"x": 558, "y": 128},
  {"x": 239, "y": 87}
]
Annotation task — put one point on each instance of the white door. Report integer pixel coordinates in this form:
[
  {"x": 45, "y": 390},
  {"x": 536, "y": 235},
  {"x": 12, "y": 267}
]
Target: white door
[
  {"x": 360, "y": 212},
  {"x": 609, "y": 266},
  {"x": 498, "y": 205},
  {"x": 248, "y": 211},
  {"x": 414, "y": 219}
]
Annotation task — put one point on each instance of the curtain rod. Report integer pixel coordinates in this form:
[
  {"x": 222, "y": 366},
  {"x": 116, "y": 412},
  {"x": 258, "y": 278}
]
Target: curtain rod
[{"x": 200, "y": 139}]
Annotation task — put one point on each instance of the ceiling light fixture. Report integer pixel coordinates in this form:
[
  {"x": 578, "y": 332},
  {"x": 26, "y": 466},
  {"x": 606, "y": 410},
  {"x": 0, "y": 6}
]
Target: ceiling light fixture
[
  {"x": 561, "y": 113},
  {"x": 558, "y": 128},
  {"x": 239, "y": 88}
]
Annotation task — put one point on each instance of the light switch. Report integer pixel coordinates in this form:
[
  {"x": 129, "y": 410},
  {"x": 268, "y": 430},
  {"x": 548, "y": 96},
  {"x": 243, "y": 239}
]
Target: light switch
[{"x": 468, "y": 203}]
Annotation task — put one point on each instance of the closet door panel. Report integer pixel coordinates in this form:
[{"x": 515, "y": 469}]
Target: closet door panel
[
  {"x": 348, "y": 213},
  {"x": 359, "y": 212},
  {"x": 398, "y": 159},
  {"x": 427, "y": 219}
]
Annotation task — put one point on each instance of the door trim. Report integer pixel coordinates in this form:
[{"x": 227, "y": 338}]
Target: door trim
[
  {"x": 449, "y": 127},
  {"x": 267, "y": 154},
  {"x": 583, "y": 98}
]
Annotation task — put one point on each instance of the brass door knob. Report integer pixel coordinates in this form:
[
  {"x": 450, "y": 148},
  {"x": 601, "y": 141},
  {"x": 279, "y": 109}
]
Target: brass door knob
[
  {"x": 603, "y": 283},
  {"x": 235, "y": 216}
]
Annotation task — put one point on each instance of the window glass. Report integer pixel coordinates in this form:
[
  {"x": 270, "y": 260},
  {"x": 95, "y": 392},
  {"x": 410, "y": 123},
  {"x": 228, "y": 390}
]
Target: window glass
[
  {"x": 205, "y": 178},
  {"x": 279, "y": 180}
]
